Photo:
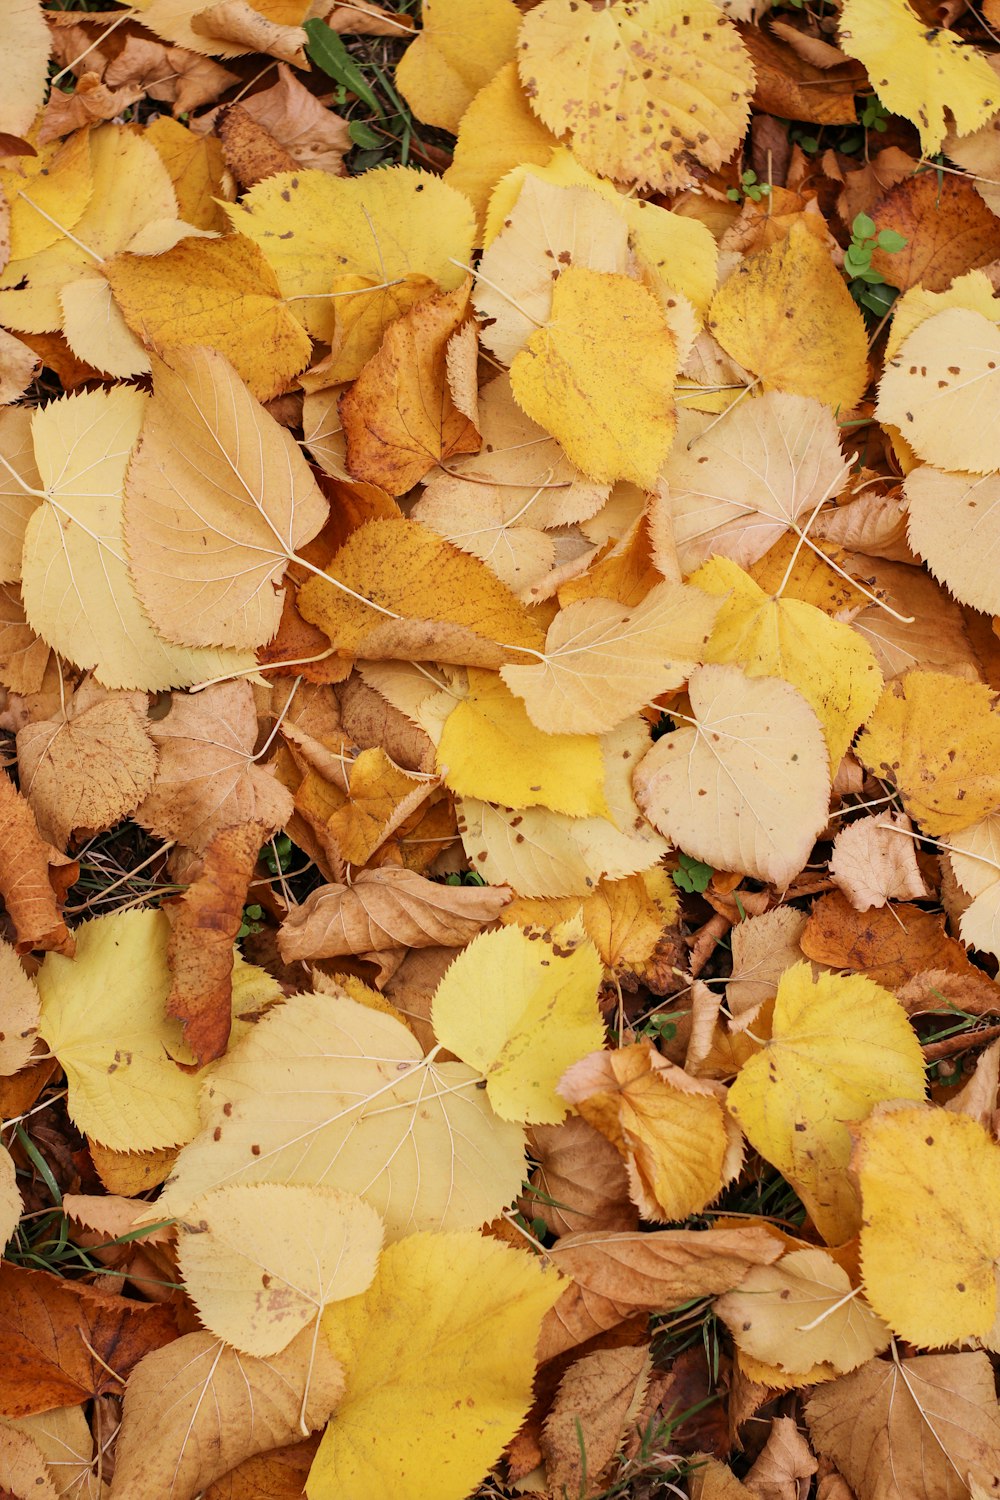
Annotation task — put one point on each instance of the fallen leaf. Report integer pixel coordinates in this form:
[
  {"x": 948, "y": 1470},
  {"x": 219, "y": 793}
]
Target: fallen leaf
[
  {"x": 196, "y": 1409},
  {"x": 580, "y": 1179},
  {"x": 597, "y": 1397},
  {"x": 948, "y": 230},
  {"x": 456, "y": 54},
  {"x": 24, "y": 39},
  {"x": 241, "y": 25},
  {"x": 873, "y": 862},
  {"x": 497, "y": 132},
  {"x": 428, "y": 1287},
  {"x": 23, "y": 1470},
  {"x": 34, "y": 877},
  {"x": 838, "y": 1047}
]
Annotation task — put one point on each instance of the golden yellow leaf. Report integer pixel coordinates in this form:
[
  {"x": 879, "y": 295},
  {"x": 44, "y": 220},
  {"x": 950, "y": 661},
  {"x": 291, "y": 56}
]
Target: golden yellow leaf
[
  {"x": 599, "y": 376},
  {"x": 521, "y": 1012},
  {"x": 941, "y": 388},
  {"x": 643, "y": 88},
  {"x": 257, "y": 1285},
  {"x": 25, "y": 45},
  {"x": 218, "y": 498},
  {"x": 604, "y": 661},
  {"x": 786, "y": 314},
  {"x": 58, "y": 180},
  {"x": 426, "y": 1393},
  {"x": 973, "y": 291},
  {"x": 380, "y": 797},
  {"x": 103, "y": 1014},
  {"x": 937, "y": 739},
  {"x": 498, "y": 131},
  {"x": 930, "y": 1194},
  {"x": 669, "y": 1128},
  {"x": 838, "y": 1046},
  {"x": 490, "y": 748},
  {"x": 401, "y": 416},
  {"x": 919, "y": 72},
  {"x": 78, "y": 592},
  {"x": 314, "y": 228},
  {"x": 736, "y": 489},
  {"x": 364, "y": 311},
  {"x": 196, "y": 166},
  {"x": 800, "y": 1312},
  {"x": 327, "y": 1092},
  {"x": 415, "y": 597},
  {"x": 746, "y": 787},
  {"x": 832, "y": 666},
  {"x": 456, "y": 54},
  {"x": 542, "y": 853},
  {"x": 172, "y": 19},
  {"x": 222, "y": 293}
]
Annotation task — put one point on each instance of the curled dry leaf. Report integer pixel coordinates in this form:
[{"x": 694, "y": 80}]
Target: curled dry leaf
[
  {"x": 388, "y": 908},
  {"x": 203, "y": 928},
  {"x": 195, "y": 1410},
  {"x": 598, "y": 1395},
  {"x": 34, "y": 877},
  {"x": 208, "y": 778},
  {"x": 89, "y": 767},
  {"x": 581, "y": 1180}
]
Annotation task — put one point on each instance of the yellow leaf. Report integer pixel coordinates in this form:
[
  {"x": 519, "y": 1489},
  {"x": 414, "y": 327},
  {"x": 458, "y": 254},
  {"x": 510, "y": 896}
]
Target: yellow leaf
[
  {"x": 489, "y": 748},
  {"x": 832, "y": 666},
  {"x": 17, "y": 500},
  {"x": 456, "y": 54},
  {"x": 364, "y": 311},
  {"x": 255, "y": 1283},
  {"x": 11, "y": 1206},
  {"x": 937, "y": 738},
  {"x": 521, "y": 1012},
  {"x": 810, "y": 576},
  {"x": 104, "y": 1017},
  {"x": 919, "y": 72},
  {"x": 941, "y": 389},
  {"x": 839, "y": 1045},
  {"x": 974, "y": 856},
  {"x": 973, "y": 291},
  {"x": 416, "y": 597},
  {"x": 604, "y": 661},
  {"x": 643, "y": 88},
  {"x": 737, "y": 488},
  {"x": 172, "y": 20},
  {"x": 20, "y": 1012},
  {"x": 953, "y": 523},
  {"x": 326, "y": 1092},
  {"x": 786, "y": 314},
  {"x": 624, "y": 919},
  {"x": 58, "y": 180},
  {"x": 222, "y": 293},
  {"x": 380, "y": 797},
  {"x": 930, "y": 1194},
  {"x": 426, "y": 1393},
  {"x": 801, "y": 1312},
  {"x": 669, "y": 1128},
  {"x": 314, "y": 227},
  {"x": 196, "y": 166},
  {"x": 24, "y": 45},
  {"x": 747, "y": 786},
  {"x": 542, "y": 853},
  {"x": 599, "y": 376},
  {"x": 78, "y": 592},
  {"x": 218, "y": 498},
  {"x": 497, "y": 132}
]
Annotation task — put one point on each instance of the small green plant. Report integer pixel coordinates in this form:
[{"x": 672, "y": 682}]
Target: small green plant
[
  {"x": 750, "y": 187},
  {"x": 868, "y": 286},
  {"x": 692, "y": 876},
  {"x": 660, "y": 1027},
  {"x": 464, "y": 877},
  {"x": 279, "y": 854},
  {"x": 251, "y": 923},
  {"x": 873, "y": 114}
]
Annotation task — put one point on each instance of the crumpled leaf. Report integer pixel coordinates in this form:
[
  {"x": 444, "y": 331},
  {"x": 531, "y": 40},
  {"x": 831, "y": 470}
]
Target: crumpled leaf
[
  {"x": 572, "y": 61},
  {"x": 197, "y": 1408},
  {"x": 387, "y": 908},
  {"x": 34, "y": 877},
  {"x": 521, "y": 1012},
  {"x": 218, "y": 497},
  {"x": 444, "y": 1303},
  {"x": 597, "y": 1397},
  {"x": 207, "y": 778},
  {"x": 251, "y": 1284},
  {"x": 838, "y": 1046}
]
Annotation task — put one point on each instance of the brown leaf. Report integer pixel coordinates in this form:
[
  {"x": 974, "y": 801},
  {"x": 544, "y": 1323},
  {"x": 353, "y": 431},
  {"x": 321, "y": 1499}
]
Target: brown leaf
[
  {"x": 278, "y": 1475},
  {"x": 785, "y": 1461},
  {"x": 64, "y": 1342},
  {"x": 89, "y": 103},
  {"x": 237, "y": 22},
  {"x": 399, "y": 416},
  {"x": 616, "y": 1275},
  {"x": 916, "y": 1427},
  {"x": 197, "y": 1409},
  {"x": 583, "y": 1175},
  {"x": 596, "y": 1398},
  {"x": 874, "y": 862},
  {"x": 795, "y": 89},
  {"x": 34, "y": 877},
  {"x": 387, "y": 908},
  {"x": 250, "y": 150},
  {"x": 18, "y": 367},
  {"x": 948, "y": 228},
  {"x": 940, "y": 990},
  {"x": 365, "y": 19},
  {"x": 203, "y": 928},
  {"x": 889, "y": 944},
  {"x": 310, "y": 133},
  {"x": 370, "y": 720},
  {"x": 88, "y": 767},
  {"x": 171, "y": 75},
  {"x": 208, "y": 778}
]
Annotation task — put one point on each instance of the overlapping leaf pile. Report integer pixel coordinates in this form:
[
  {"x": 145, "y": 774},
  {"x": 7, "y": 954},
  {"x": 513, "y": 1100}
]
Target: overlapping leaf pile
[{"x": 500, "y": 840}]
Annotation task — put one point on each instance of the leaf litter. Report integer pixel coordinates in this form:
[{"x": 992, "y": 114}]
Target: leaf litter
[{"x": 500, "y": 817}]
